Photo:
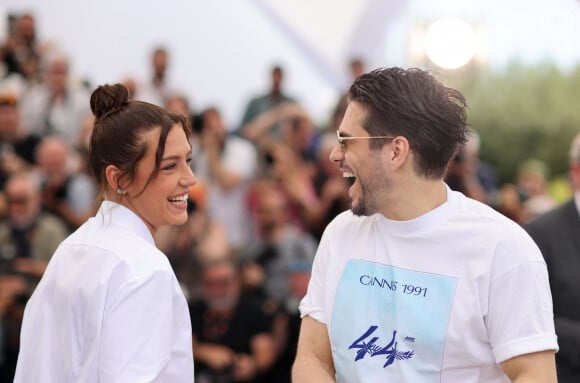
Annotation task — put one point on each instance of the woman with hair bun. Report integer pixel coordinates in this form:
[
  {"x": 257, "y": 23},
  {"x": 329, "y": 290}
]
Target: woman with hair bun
[{"x": 109, "y": 307}]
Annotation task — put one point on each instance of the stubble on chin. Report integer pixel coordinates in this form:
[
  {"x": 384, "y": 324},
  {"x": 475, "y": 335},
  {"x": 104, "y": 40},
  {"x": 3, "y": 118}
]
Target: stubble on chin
[{"x": 359, "y": 209}]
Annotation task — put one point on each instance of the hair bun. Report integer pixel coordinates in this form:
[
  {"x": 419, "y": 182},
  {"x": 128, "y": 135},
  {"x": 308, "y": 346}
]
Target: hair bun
[{"x": 108, "y": 98}]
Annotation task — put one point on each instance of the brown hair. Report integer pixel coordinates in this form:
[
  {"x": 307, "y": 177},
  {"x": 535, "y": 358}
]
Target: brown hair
[
  {"x": 117, "y": 136},
  {"x": 414, "y": 104}
]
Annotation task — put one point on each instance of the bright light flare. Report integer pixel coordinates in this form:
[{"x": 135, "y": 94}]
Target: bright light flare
[{"x": 450, "y": 43}]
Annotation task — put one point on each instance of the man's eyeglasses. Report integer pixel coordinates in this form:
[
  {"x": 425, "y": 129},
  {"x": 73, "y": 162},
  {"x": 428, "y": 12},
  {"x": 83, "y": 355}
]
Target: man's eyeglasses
[{"x": 342, "y": 140}]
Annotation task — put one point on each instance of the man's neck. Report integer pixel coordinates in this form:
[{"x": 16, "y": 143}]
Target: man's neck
[{"x": 415, "y": 198}]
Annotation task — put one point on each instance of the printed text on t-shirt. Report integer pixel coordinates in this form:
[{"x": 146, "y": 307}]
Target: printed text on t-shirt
[{"x": 405, "y": 288}]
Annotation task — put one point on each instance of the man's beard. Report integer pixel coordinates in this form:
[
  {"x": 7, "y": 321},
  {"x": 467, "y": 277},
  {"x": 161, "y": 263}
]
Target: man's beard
[
  {"x": 362, "y": 208},
  {"x": 367, "y": 203}
]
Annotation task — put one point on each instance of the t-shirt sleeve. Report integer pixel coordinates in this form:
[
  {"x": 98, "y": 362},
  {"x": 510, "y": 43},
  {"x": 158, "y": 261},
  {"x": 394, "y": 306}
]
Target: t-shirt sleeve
[
  {"x": 520, "y": 316},
  {"x": 313, "y": 303}
]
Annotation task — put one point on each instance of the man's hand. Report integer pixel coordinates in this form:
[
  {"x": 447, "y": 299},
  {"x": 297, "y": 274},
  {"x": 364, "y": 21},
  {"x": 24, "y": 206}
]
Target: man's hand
[{"x": 215, "y": 356}]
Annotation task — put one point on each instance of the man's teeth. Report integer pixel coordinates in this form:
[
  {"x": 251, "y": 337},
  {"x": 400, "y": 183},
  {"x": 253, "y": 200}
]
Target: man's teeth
[{"x": 348, "y": 175}]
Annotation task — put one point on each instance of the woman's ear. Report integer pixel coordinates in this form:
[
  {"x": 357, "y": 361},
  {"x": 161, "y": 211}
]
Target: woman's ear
[{"x": 113, "y": 175}]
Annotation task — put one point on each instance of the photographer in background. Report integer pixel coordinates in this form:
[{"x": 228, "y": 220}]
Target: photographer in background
[
  {"x": 28, "y": 238},
  {"x": 227, "y": 163},
  {"x": 16, "y": 146},
  {"x": 231, "y": 335}
]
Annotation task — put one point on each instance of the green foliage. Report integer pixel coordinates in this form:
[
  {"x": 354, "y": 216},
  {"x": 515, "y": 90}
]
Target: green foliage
[{"x": 522, "y": 113}]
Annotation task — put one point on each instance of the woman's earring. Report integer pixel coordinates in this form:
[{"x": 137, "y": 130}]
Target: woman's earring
[{"x": 121, "y": 191}]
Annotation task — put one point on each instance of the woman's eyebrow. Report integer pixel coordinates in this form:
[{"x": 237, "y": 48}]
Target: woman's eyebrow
[{"x": 176, "y": 156}]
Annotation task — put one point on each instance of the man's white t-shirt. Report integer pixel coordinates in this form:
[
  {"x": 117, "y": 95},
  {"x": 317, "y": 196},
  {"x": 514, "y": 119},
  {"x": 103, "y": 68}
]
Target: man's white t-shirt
[
  {"x": 108, "y": 309},
  {"x": 444, "y": 297}
]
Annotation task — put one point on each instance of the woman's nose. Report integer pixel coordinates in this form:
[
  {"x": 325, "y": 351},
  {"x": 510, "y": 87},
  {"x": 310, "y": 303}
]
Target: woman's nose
[{"x": 189, "y": 178}]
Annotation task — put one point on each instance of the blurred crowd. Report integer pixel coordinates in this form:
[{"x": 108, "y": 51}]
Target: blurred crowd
[{"x": 266, "y": 191}]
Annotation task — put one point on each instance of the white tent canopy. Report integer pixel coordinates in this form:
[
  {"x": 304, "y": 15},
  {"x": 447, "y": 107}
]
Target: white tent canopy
[{"x": 221, "y": 51}]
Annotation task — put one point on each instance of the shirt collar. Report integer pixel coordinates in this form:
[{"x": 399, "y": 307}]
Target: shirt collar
[{"x": 124, "y": 217}]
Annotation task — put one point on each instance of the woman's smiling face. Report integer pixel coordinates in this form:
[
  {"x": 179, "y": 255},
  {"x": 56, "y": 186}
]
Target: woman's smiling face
[{"x": 164, "y": 200}]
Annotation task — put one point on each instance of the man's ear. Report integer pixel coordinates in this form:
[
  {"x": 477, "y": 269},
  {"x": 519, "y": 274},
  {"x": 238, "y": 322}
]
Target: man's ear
[
  {"x": 113, "y": 175},
  {"x": 397, "y": 152}
]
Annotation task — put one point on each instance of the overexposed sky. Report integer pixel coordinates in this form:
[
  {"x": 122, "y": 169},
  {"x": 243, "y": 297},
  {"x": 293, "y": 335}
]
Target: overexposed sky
[
  {"x": 221, "y": 51},
  {"x": 527, "y": 30}
]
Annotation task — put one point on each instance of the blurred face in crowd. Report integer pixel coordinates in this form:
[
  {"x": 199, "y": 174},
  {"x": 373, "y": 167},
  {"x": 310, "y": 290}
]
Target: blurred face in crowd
[
  {"x": 575, "y": 175},
  {"x": 277, "y": 78},
  {"x": 159, "y": 62},
  {"x": 23, "y": 199},
  {"x": 271, "y": 210},
  {"x": 214, "y": 123},
  {"x": 25, "y": 28},
  {"x": 57, "y": 75},
  {"x": 131, "y": 85},
  {"x": 178, "y": 105},
  {"x": 221, "y": 286},
  {"x": 52, "y": 156},
  {"x": 356, "y": 68},
  {"x": 283, "y": 160},
  {"x": 532, "y": 183},
  {"x": 9, "y": 121},
  {"x": 162, "y": 200},
  {"x": 297, "y": 133}
]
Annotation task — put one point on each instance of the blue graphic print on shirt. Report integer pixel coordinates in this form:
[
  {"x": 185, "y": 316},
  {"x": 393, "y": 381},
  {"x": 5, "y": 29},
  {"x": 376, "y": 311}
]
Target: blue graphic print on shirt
[
  {"x": 373, "y": 350},
  {"x": 390, "y": 323}
]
